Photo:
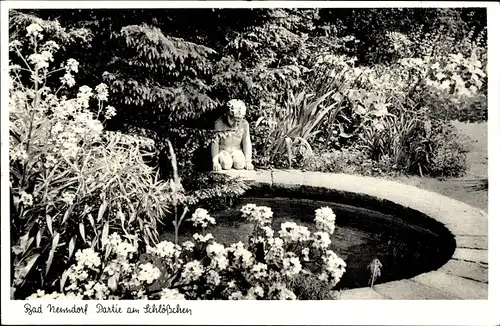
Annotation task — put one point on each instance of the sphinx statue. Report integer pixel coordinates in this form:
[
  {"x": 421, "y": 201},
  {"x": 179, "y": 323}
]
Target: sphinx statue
[{"x": 232, "y": 149}]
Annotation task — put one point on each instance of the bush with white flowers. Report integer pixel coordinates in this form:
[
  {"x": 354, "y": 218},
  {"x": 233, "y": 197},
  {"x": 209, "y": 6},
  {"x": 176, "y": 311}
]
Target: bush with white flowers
[
  {"x": 71, "y": 181},
  {"x": 264, "y": 268}
]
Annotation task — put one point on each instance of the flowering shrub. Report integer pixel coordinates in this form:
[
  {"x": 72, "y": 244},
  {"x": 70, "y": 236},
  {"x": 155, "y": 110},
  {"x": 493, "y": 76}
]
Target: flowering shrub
[
  {"x": 384, "y": 112},
  {"x": 72, "y": 182},
  {"x": 393, "y": 110},
  {"x": 268, "y": 267}
]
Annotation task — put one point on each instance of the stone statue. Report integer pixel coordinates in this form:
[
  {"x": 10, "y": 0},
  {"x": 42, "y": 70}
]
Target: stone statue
[{"x": 233, "y": 149}]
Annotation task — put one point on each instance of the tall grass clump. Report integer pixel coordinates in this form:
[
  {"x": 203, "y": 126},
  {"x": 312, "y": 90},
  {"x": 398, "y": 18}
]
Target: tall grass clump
[
  {"x": 296, "y": 125},
  {"x": 315, "y": 116}
]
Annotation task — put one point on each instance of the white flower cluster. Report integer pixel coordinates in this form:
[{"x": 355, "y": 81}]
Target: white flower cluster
[
  {"x": 68, "y": 198},
  {"x": 235, "y": 269},
  {"x": 84, "y": 275},
  {"x": 188, "y": 245},
  {"x": 18, "y": 153},
  {"x": 291, "y": 265},
  {"x": 213, "y": 278},
  {"x": 236, "y": 295},
  {"x": 72, "y": 125},
  {"x": 268, "y": 232},
  {"x": 192, "y": 271},
  {"x": 34, "y": 29},
  {"x": 218, "y": 255},
  {"x": 41, "y": 295},
  {"x": 26, "y": 199},
  {"x": 171, "y": 294},
  {"x": 321, "y": 240},
  {"x": 102, "y": 92},
  {"x": 165, "y": 249},
  {"x": 305, "y": 254},
  {"x": 68, "y": 79},
  {"x": 260, "y": 215},
  {"x": 281, "y": 292},
  {"x": 14, "y": 46},
  {"x": 258, "y": 271},
  {"x": 122, "y": 249},
  {"x": 457, "y": 74},
  {"x": 203, "y": 238},
  {"x": 88, "y": 258},
  {"x": 110, "y": 112},
  {"x": 242, "y": 256},
  {"x": 276, "y": 250},
  {"x": 334, "y": 267},
  {"x": 112, "y": 268},
  {"x": 254, "y": 293},
  {"x": 72, "y": 65},
  {"x": 202, "y": 218},
  {"x": 83, "y": 96},
  {"x": 291, "y": 232},
  {"x": 96, "y": 290},
  {"x": 325, "y": 219},
  {"x": 148, "y": 273},
  {"x": 41, "y": 60},
  {"x": 453, "y": 76},
  {"x": 113, "y": 240}
]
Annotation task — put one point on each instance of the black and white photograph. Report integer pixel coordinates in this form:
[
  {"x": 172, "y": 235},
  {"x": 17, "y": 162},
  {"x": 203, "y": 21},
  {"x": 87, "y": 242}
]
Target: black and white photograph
[{"x": 158, "y": 155}]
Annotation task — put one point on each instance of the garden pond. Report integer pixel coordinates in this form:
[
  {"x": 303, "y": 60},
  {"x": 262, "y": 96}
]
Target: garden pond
[{"x": 403, "y": 248}]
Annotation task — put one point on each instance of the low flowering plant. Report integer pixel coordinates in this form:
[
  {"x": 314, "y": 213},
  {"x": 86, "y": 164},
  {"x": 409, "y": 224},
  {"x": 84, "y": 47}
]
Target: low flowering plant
[{"x": 265, "y": 268}]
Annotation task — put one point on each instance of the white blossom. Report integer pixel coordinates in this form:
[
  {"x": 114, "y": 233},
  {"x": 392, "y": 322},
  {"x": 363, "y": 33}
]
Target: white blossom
[
  {"x": 26, "y": 199},
  {"x": 68, "y": 80},
  {"x": 259, "y": 271},
  {"x": 171, "y": 294},
  {"x": 88, "y": 257},
  {"x": 281, "y": 292},
  {"x": 18, "y": 154},
  {"x": 72, "y": 65},
  {"x": 165, "y": 249},
  {"x": 325, "y": 219},
  {"x": 33, "y": 29},
  {"x": 213, "y": 278},
  {"x": 68, "y": 198},
  {"x": 188, "y": 245},
  {"x": 192, "y": 271},
  {"x": 321, "y": 240},
  {"x": 102, "y": 92},
  {"x": 148, "y": 273},
  {"x": 201, "y": 238},
  {"x": 110, "y": 112},
  {"x": 290, "y": 231},
  {"x": 242, "y": 254},
  {"x": 291, "y": 265},
  {"x": 201, "y": 218}
]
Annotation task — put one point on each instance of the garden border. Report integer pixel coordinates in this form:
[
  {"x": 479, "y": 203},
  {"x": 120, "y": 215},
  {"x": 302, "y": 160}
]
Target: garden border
[{"x": 464, "y": 276}]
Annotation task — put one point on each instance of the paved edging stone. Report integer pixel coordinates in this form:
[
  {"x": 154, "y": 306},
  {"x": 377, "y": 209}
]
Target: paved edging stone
[{"x": 469, "y": 226}]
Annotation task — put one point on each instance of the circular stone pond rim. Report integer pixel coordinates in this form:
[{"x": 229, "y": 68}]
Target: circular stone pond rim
[{"x": 464, "y": 276}]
